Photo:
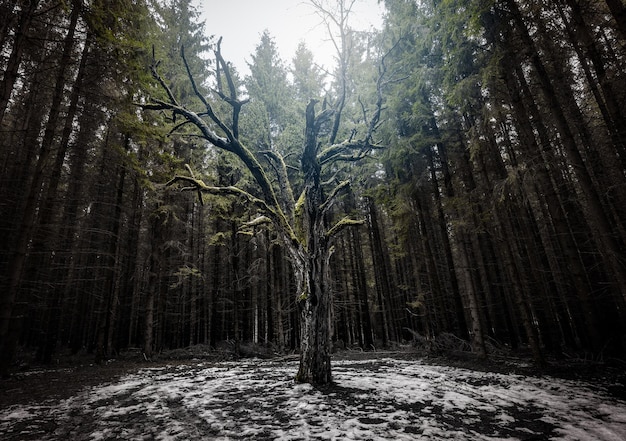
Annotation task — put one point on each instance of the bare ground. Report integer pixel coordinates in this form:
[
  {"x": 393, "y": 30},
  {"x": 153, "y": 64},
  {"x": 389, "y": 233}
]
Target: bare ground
[{"x": 39, "y": 385}]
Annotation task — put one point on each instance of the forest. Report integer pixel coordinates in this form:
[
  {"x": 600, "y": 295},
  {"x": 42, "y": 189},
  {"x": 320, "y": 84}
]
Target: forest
[{"x": 468, "y": 193}]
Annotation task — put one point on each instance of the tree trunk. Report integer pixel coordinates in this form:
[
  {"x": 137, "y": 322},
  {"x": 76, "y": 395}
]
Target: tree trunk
[
  {"x": 280, "y": 284},
  {"x": 601, "y": 226},
  {"x": 461, "y": 325},
  {"x": 310, "y": 262},
  {"x": 433, "y": 308},
  {"x": 583, "y": 42},
  {"x": 315, "y": 321},
  {"x": 511, "y": 258},
  {"x": 13, "y": 63},
  {"x": 26, "y": 230},
  {"x": 618, "y": 10},
  {"x": 154, "y": 285},
  {"x": 114, "y": 282},
  {"x": 381, "y": 273},
  {"x": 360, "y": 284},
  {"x": 563, "y": 256},
  {"x": 236, "y": 283}
]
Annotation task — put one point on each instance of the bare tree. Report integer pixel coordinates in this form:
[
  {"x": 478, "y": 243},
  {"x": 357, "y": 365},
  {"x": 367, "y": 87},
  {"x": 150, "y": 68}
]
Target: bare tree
[{"x": 302, "y": 224}]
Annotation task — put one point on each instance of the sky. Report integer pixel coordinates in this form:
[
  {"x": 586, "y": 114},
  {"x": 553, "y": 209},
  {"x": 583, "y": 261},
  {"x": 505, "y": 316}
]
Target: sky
[{"x": 241, "y": 23}]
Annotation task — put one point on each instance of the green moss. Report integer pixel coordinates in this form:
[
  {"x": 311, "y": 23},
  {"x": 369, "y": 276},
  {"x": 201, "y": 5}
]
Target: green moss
[{"x": 299, "y": 219}]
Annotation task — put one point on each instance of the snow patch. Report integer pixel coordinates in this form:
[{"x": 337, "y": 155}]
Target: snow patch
[{"x": 371, "y": 399}]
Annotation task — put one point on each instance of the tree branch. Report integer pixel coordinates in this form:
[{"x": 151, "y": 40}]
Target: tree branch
[
  {"x": 235, "y": 103},
  {"x": 343, "y": 47},
  {"x": 231, "y": 144},
  {"x": 209, "y": 110},
  {"x": 258, "y": 221},
  {"x": 380, "y": 83},
  {"x": 332, "y": 197},
  {"x": 191, "y": 173},
  {"x": 341, "y": 152},
  {"x": 344, "y": 223},
  {"x": 199, "y": 185},
  {"x": 229, "y": 79},
  {"x": 278, "y": 164},
  {"x": 194, "y": 118},
  {"x": 155, "y": 74}
]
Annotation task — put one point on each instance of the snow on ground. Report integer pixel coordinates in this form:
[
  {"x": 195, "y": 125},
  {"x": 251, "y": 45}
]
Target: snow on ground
[{"x": 384, "y": 399}]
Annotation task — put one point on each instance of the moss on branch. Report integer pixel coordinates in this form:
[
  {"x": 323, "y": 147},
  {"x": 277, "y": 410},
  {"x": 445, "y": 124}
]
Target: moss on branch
[{"x": 344, "y": 223}]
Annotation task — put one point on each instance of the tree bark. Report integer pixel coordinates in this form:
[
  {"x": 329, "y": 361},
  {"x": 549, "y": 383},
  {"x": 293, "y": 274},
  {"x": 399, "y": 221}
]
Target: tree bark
[
  {"x": 315, "y": 326},
  {"x": 618, "y": 10},
  {"x": 360, "y": 284},
  {"x": 310, "y": 262},
  {"x": 381, "y": 274},
  {"x": 154, "y": 285},
  {"x": 547, "y": 195},
  {"x": 13, "y": 63},
  {"x": 27, "y": 225},
  {"x": 442, "y": 220},
  {"x": 599, "y": 220}
]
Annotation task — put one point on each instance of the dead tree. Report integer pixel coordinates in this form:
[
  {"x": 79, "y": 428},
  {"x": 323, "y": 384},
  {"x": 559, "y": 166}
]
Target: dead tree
[{"x": 301, "y": 223}]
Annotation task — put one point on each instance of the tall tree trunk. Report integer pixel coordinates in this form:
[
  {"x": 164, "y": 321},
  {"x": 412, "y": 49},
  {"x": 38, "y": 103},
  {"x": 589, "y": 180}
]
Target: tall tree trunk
[
  {"x": 546, "y": 195},
  {"x": 315, "y": 338},
  {"x": 276, "y": 286},
  {"x": 313, "y": 279},
  {"x": 618, "y": 10},
  {"x": 216, "y": 280},
  {"x": 131, "y": 278},
  {"x": 7, "y": 20},
  {"x": 586, "y": 48},
  {"x": 114, "y": 282},
  {"x": 381, "y": 274},
  {"x": 51, "y": 328},
  {"x": 236, "y": 284},
  {"x": 600, "y": 223},
  {"x": 360, "y": 284},
  {"x": 311, "y": 267},
  {"x": 33, "y": 197},
  {"x": 434, "y": 304},
  {"x": 154, "y": 285},
  {"x": 15, "y": 58},
  {"x": 520, "y": 295},
  {"x": 431, "y": 128}
]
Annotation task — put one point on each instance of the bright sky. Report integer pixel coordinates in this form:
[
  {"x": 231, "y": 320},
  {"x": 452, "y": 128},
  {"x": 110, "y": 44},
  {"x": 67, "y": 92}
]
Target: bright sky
[{"x": 241, "y": 23}]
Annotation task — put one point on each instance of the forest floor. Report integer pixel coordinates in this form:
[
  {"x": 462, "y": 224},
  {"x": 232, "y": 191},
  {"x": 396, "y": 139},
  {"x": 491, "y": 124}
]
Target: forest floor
[{"x": 375, "y": 396}]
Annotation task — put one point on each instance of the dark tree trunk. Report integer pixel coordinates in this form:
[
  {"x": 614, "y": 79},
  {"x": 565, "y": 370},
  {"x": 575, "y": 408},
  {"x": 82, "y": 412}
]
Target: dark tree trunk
[
  {"x": 360, "y": 284},
  {"x": 315, "y": 343},
  {"x": 154, "y": 285},
  {"x": 618, "y": 10},
  {"x": 311, "y": 268},
  {"x": 447, "y": 188},
  {"x": 49, "y": 211},
  {"x": 555, "y": 227},
  {"x": 13, "y": 63},
  {"x": 25, "y": 235},
  {"x": 114, "y": 283},
  {"x": 597, "y": 216},
  {"x": 381, "y": 274},
  {"x": 236, "y": 284}
]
